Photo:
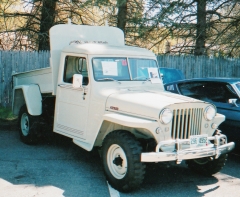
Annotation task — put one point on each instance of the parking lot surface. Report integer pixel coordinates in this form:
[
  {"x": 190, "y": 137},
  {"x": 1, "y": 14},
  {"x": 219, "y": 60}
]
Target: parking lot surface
[{"x": 56, "y": 167}]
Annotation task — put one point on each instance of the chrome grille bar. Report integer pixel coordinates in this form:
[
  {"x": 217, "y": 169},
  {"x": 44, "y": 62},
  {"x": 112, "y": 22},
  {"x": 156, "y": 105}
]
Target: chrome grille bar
[{"x": 186, "y": 122}]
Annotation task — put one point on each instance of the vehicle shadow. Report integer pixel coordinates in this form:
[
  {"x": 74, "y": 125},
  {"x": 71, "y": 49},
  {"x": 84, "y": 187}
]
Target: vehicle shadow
[
  {"x": 174, "y": 180},
  {"x": 233, "y": 162}
]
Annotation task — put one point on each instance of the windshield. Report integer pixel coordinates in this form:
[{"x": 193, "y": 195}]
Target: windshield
[{"x": 124, "y": 69}]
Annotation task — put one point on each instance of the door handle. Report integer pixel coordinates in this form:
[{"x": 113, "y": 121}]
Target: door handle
[{"x": 69, "y": 86}]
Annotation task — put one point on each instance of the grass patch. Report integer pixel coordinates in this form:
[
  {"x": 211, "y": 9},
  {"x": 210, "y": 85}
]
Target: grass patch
[{"x": 6, "y": 114}]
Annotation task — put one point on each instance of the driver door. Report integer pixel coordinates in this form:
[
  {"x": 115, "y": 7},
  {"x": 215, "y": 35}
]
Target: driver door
[{"x": 72, "y": 103}]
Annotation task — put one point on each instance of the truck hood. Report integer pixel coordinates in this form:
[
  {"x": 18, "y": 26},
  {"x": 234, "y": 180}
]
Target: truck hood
[{"x": 144, "y": 103}]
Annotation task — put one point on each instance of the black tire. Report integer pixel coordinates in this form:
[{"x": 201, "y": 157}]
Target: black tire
[
  {"x": 206, "y": 166},
  {"x": 27, "y": 126},
  {"x": 121, "y": 161}
]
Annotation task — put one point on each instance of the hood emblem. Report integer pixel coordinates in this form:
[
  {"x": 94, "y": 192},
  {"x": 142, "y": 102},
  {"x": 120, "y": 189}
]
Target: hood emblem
[{"x": 113, "y": 108}]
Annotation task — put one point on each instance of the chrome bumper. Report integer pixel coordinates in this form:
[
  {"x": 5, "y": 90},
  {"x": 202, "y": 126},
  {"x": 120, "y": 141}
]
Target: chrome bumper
[{"x": 178, "y": 155}]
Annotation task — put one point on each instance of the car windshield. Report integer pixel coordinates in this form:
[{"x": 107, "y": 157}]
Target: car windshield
[{"x": 124, "y": 69}]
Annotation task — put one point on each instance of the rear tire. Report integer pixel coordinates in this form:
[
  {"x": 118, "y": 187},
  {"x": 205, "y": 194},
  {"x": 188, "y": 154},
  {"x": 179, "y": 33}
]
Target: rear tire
[
  {"x": 121, "y": 161},
  {"x": 27, "y": 126},
  {"x": 207, "y": 167}
]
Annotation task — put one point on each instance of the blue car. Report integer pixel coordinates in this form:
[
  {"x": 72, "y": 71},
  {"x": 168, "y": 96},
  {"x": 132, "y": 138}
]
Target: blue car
[
  {"x": 171, "y": 74},
  {"x": 224, "y": 93}
]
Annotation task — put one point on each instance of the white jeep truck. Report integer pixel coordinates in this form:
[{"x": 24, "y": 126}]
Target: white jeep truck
[{"x": 102, "y": 93}]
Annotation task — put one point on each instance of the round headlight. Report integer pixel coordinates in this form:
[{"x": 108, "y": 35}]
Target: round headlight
[
  {"x": 209, "y": 112},
  {"x": 166, "y": 116}
]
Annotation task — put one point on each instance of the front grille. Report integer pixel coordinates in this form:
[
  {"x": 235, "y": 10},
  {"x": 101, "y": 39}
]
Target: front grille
[{"x": 186, "y": 122}]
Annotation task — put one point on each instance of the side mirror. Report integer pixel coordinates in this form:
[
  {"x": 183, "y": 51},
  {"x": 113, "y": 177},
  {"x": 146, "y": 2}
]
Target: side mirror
[
  {"x": 233, "y": 101},
  {"x": 77, "y": 80}
]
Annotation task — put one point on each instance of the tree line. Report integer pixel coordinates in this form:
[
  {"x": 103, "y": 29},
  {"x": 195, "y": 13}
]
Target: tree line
[{"x": 198, "y": 27}]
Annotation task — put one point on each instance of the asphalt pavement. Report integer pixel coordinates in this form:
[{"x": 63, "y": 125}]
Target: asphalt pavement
[
  {"x": 56, "y": 167},
  {"x": 51, "y": 169}
]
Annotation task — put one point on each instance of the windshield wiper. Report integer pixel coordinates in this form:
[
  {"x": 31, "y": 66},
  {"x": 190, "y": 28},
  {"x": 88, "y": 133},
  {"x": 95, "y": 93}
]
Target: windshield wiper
[{"x": 109, "y": 79}]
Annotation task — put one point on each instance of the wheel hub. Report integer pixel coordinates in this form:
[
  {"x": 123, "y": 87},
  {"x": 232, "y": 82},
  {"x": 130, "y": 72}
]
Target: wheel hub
[
  {"x": 117, "y": 161},
  {"x": 25, "y": 124}
]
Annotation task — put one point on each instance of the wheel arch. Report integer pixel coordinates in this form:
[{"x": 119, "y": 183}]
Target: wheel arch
[
  {"x": 29, "y": 95},
  {"x": 113, "y": 122}
]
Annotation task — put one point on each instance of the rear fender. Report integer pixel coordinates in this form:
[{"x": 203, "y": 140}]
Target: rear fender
[{"x": 29, "y": 95}]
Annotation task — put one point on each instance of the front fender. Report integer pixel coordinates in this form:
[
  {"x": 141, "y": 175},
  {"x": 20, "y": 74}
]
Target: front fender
[
  {"x": 29, "y": 95},
  {"x": 144, "y": 128},
  {"x": 129, "y": 121}
]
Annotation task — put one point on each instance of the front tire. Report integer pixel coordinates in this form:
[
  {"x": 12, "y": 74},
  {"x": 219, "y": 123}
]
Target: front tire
[
  {"x": 121, "y": 161},
  {"x": 207, "y": 167},
  {"x": 27, "y": 126}
]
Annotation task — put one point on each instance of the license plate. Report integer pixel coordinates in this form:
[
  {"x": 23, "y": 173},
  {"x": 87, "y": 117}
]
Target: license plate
[{"x": 198, "y": 140}]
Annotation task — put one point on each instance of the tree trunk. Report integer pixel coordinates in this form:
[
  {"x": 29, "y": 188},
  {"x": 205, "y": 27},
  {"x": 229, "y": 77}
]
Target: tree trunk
[
  {"x": 122, "y": 14},
  {"x": 201, "y": 28},
  {"x": 47, "y": 21}
]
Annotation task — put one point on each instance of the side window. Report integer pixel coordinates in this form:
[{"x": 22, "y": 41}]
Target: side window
[
  {"x": 220, "y": 92},
  {"x": 216, "y": 92},
  {"x": 208, "y": 91},
  {"x": 75, "y": 65},
  {"x": 195, "y": 90}
]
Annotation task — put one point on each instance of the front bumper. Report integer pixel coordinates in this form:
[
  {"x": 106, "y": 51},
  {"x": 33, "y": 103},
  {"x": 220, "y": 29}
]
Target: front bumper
[{"x": 215, "y": 149}]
